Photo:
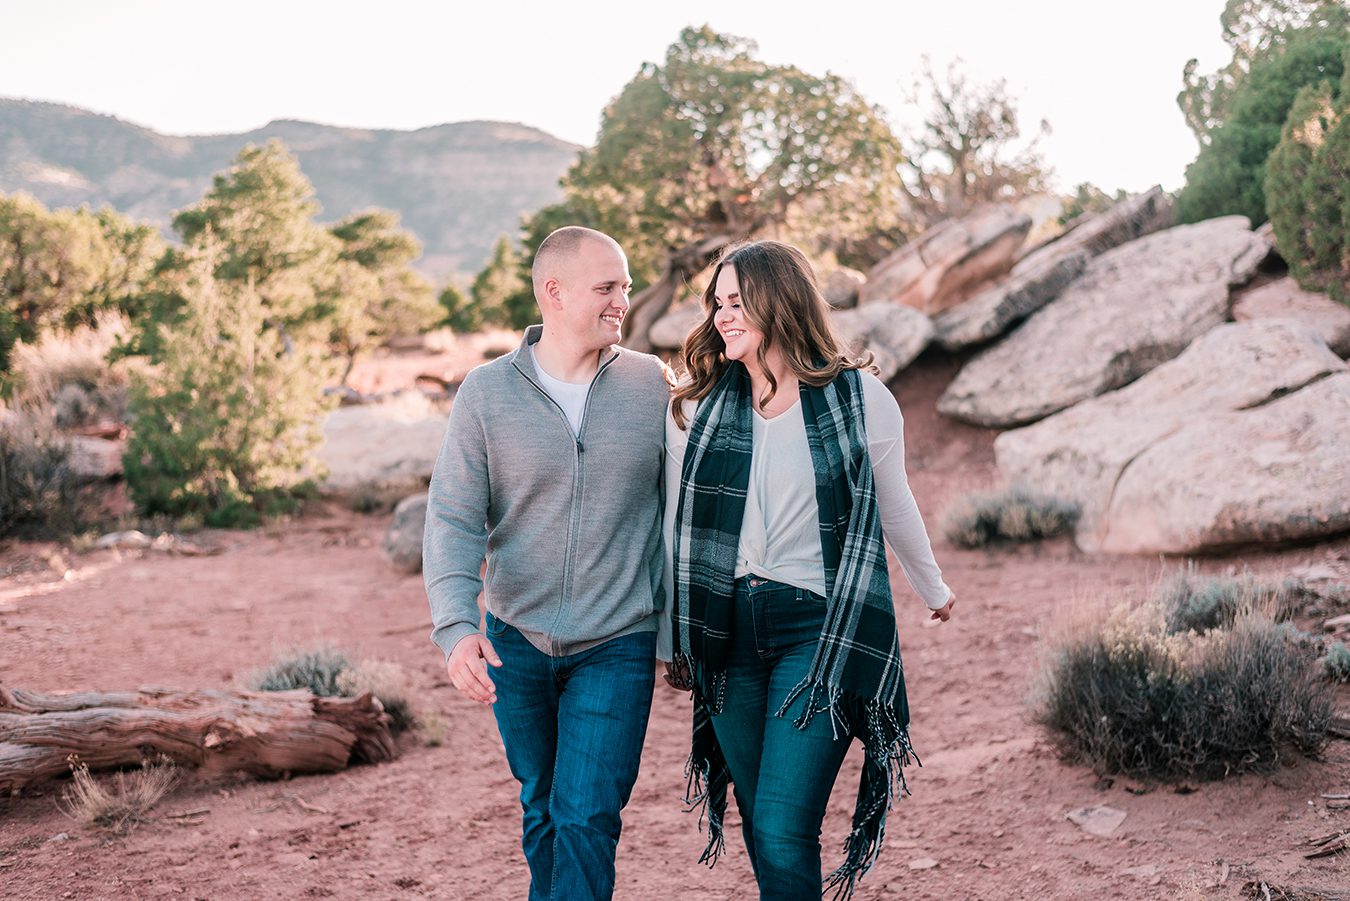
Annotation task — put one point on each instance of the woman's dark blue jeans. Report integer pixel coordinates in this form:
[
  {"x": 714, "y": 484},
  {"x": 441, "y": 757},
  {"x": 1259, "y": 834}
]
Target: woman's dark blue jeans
[
  {"x": 782, "y": 775},
  {"x": 573, "y": 728}
]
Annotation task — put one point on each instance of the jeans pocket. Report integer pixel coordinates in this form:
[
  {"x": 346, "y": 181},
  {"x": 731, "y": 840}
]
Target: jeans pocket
[{"x": 494, "y": 626}]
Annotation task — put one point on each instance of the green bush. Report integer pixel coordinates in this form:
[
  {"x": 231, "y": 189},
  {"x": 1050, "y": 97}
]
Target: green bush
[
  {"x": 1308, "y": 185},
  {"x": 316, "y": 670},
  {"x": 225, "y": 425},
  {"x": 1336, "y": 663},
  {"x": 1126, "y": 695},
  {"x": 1228, "y": 175},
  {"x": 1015, "y": 514}
]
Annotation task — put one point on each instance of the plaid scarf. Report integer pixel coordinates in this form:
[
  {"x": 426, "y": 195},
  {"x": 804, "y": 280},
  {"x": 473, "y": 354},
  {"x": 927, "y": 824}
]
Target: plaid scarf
[{"x": 855, "y": 675}]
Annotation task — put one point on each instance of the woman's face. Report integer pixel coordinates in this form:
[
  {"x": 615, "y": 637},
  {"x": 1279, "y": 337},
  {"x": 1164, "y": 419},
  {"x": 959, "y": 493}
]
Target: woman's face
[{"x": 741, "y": 338}]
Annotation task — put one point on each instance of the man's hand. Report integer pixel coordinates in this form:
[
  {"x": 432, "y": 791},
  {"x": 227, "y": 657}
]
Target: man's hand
[
  {"x": 467, "y": 668},
  {"x": 944, "y": 612}
]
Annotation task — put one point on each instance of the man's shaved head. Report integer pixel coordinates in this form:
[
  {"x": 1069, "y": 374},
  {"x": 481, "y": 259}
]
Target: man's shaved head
[{"x": 559, "y": 247}]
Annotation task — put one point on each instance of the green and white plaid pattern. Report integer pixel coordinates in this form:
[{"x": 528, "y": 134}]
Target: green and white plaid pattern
[{"x": 856, "y": 675}]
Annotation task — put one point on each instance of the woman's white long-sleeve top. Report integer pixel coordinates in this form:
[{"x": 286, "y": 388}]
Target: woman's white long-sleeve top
[{"x": 780, "y": 534}]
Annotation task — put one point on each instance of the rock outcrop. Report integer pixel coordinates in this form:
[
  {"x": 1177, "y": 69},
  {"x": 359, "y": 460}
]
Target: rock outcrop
[
  {"x": 1133, "y": 308},
  {"x": 945, "y": 264},
  {"x": 894, "y": 334},
  {"x": 1284, "y": 299},
  {"x": 380, "y": 445},
  {"x": 1086, "y": 453}
]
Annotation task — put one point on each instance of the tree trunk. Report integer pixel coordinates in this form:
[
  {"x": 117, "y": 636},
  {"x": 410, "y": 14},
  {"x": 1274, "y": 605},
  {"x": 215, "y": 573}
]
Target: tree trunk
[
  {"x": 651, "y": 303},
  {"x": 264, "y": 733}
]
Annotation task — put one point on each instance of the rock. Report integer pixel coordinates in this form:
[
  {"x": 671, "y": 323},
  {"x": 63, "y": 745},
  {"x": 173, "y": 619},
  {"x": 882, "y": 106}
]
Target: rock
[
  {"x": 841, "y": 287},
  {"x": 1283, "y": 298},
  {"x": 1279, "y": 472},
  {"x": 133, "y": 540},
  {"x": 1147, "y": 871},
  {"x": 389, "y": 443},
  {"x": 1337, "y": 623},
  {"x": 894, "y": 334},
  {"x": 989, "y": 313},
  {"x": 1133, "y": 308},
  {"x": 96, "y": 458},
  {"x": 58, "y": 837},
  {"x": 1313, "y": 573},
  {"x": 403, "y": 539},
  {"x": 922, "y": 863},
  {"x": 1042, "y": 274},
  {"x": 1080, "y": 453},
  {"x": 1099, "y": 820},
  {"x": 669, "y": 332},
  {"x": 945, "y": 264}
]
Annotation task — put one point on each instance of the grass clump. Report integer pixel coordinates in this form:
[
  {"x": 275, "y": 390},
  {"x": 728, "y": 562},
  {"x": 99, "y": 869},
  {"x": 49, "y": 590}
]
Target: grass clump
[
  {"x": 40, "y": 493},
  {"x": 1336, "y": 663},
  {"x": 126, "y": 797},
  {"x": 1200, "y": 603},
  {"x": 1128, "y": 695},
  {"x": 331, "y": 674},
  {"x": 1014, "y": 514}
]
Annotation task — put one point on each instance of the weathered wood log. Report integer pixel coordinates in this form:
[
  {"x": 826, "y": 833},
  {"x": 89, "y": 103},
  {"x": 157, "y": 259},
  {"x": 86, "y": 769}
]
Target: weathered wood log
[{"x": 263, "y": 733}]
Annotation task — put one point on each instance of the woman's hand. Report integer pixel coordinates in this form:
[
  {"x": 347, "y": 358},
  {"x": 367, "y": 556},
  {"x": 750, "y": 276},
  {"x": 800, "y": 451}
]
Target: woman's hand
[
  {"x": 677, "y": 676},
  {"x": 944, "y": 612}
]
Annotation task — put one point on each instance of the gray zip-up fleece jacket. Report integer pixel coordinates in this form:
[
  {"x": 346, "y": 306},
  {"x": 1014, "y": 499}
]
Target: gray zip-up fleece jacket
[{"x": 569, "y": 524}]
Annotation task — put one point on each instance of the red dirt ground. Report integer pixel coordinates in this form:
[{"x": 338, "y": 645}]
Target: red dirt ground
[{"x": 988, "y": 805}]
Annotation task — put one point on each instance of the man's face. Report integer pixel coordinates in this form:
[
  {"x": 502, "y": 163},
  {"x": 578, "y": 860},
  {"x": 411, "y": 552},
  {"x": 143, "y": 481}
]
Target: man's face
[{"x": 594, "y": 286}]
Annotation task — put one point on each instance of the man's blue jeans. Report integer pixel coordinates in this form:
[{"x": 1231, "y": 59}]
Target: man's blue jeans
[
  {"x": 782, "y": 775},
  {"x": 573, "y": 729}
]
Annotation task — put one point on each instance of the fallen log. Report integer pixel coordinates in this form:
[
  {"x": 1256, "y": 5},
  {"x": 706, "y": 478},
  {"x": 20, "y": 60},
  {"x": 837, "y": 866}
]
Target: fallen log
[{"x": 264, "y": 733}]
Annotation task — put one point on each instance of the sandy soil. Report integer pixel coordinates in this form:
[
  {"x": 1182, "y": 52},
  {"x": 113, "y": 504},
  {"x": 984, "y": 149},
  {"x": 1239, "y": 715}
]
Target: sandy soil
[{"x": 988, "y": 805}]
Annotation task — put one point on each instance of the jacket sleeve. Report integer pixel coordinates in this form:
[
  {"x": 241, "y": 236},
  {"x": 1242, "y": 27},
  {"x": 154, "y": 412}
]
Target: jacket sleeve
[{"x": 455, "y": 540}]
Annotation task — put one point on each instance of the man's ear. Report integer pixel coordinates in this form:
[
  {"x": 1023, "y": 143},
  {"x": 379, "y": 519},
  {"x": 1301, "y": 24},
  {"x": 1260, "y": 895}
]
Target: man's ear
[{"x": 553, "y": 293}]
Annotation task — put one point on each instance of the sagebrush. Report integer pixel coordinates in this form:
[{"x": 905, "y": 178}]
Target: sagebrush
[
  {"x": 1014, "y": 514},
  {"x": 331, "y": 673}
]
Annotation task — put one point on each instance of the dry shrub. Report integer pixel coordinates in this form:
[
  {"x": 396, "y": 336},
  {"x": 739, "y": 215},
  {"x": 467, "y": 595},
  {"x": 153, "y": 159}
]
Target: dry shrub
[
  {"x": 1125, "y": 694},
  {"x": 1014, "y": 514},
  {"x": 1200, "y": 603},
  {"x": 387, "y": 681},
  {"x": 125, "y": 797},
  {"x": 40, "y": 494},
  {"x": 69, "y": 374},
  {"x": 1336, "y": 663}
]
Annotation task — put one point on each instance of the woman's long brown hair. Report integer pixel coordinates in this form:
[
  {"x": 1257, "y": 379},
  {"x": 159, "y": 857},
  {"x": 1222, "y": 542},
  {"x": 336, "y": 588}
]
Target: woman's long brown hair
[{"x": 780, "y": 299}]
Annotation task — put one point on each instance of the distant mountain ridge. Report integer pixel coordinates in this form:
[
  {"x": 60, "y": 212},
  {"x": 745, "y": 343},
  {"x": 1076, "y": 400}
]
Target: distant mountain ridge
[{"x": 456, "y": 186}]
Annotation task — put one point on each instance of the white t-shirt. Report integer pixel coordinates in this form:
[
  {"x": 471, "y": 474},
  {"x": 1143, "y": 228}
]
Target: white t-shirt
[
  {"x": 780, "y": 534},
  {"x": 571, "y": 396}
]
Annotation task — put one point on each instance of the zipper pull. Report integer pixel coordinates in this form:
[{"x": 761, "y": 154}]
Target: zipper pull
[{"x": 581, "y": 448}]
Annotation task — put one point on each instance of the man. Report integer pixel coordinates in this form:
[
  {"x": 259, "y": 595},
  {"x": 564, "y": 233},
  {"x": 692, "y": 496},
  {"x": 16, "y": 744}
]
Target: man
[{"x": 550, "y": 469}]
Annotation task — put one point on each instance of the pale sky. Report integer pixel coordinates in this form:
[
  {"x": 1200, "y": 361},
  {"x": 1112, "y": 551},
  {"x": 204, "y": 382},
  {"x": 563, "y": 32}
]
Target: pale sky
[{"x": 1104, "y": 75}]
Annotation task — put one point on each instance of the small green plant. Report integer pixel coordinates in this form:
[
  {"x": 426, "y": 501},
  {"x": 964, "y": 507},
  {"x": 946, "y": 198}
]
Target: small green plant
[
  {"x": 1336, "y": 664},
  {"x": 124, "y": 800},
  {"x": 330, "y": 673},
  {"x": 1015, "y": 514},
  {"x": 317, "y": 670},
  {"x": 1125, "y": 694}
]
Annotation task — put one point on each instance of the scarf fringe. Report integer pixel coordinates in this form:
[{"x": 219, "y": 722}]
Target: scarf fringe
[{"x": 887, "y": 751}]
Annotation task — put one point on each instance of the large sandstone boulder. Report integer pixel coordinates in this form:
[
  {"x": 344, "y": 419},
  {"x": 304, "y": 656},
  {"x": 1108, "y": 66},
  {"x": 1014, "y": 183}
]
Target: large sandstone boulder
[
  {"x": 1275, "y": 473},
  {"x": 403, "y": 539},
  {"x": 894, "y": 334},
  {"x": 384, "y": 444},
  {"x": 1133, "y": 308},
  {"x": 945, "y": 264},
  {"x": 1042, "y": 274},
  {"x": 989, "y": 313},
  {"x": 96, "y": 458},
  {"x": 1284, "y": 299},
  {"x": 841, "y": 287},
  {"x": 1081, "y": 453},
  {"x": 669, "y": 332}
]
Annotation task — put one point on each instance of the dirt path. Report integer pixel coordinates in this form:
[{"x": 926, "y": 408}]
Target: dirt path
[{"x": 989, "y": 804}]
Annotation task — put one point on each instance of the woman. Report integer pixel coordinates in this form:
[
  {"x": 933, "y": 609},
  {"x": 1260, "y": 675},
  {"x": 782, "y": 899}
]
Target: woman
[{"x": 784, "y": 467}]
